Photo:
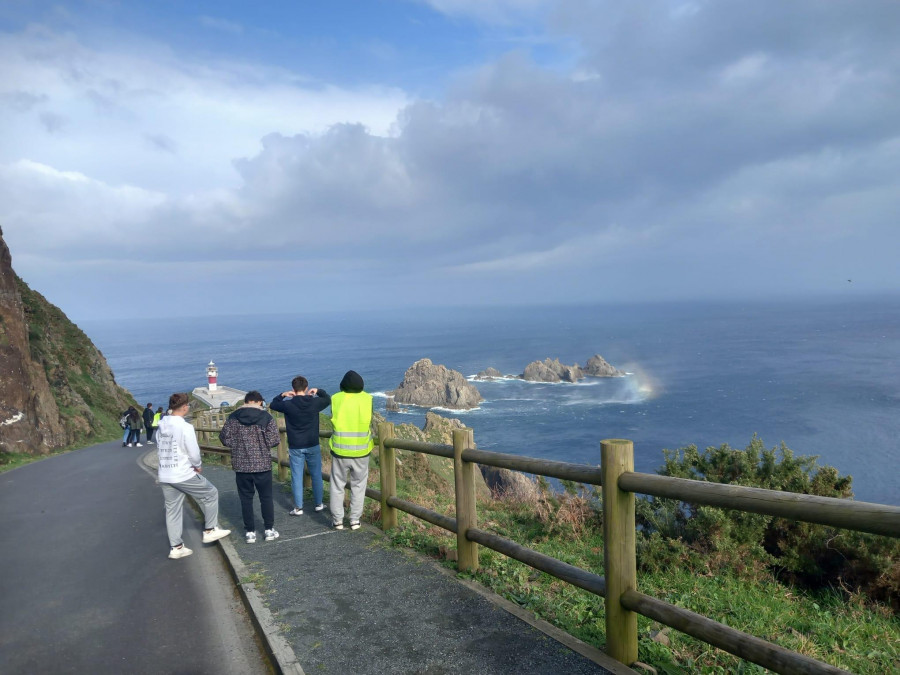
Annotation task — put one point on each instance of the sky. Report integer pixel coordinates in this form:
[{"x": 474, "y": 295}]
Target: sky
[{"x": 181, "y": 158}]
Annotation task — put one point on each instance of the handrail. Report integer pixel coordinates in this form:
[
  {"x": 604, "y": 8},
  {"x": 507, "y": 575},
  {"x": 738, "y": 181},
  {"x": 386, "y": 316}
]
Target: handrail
[
  {"x": 621, "y": 484},
  {"x": 861, "y": 516},
  {"x": 581, "y": 473},
  {"x": 724, "y": 637}
]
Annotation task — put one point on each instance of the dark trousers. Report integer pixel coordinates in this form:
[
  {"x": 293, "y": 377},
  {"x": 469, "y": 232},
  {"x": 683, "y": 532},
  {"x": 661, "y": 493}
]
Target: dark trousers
[
  {"x": 260, "y": 482},
  {"x": 134, "y": 436}
]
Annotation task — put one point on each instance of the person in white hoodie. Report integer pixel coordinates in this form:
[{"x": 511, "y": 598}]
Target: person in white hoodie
[{"x": 180, "y": 466}]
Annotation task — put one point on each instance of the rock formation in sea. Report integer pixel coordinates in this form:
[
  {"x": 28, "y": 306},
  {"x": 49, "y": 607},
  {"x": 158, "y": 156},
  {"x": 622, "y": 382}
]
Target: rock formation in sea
[
  {"x": 597, "y": 366},
  {"x": 551, "y": 371},
  {"x": 488, "y": 374},
  {"x": 56, "y": 388},
  {"x": 431, "y": 385}
]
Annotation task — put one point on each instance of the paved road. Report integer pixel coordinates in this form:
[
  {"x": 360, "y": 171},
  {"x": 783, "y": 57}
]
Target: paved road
[{"x": 86, "y": 585}]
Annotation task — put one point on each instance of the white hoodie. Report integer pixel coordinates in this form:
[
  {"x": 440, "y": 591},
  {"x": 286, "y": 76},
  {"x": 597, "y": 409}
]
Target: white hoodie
[{"x": 179, "y": 453}]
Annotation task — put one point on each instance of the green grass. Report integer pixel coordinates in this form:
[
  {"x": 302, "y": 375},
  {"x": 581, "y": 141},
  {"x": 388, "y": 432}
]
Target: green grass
[{"x": 839, "y": 628}]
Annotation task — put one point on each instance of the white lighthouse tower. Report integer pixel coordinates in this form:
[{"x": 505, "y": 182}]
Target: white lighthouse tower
[{"x": 212, "y": 376}]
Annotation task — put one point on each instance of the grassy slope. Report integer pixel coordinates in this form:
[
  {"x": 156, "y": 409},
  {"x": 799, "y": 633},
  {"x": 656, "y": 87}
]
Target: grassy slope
[{"x": 81, "y": 382}]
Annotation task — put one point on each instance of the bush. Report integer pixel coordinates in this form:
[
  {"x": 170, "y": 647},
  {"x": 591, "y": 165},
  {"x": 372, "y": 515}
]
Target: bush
[{"x": 813, "y": 555}]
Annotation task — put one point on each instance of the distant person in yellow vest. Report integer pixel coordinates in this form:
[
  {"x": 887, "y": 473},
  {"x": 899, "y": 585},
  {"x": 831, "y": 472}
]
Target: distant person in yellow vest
[{"x": 351, "y": 445}]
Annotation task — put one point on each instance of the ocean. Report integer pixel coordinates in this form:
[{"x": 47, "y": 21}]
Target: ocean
[{"x": 822, "y": 376}]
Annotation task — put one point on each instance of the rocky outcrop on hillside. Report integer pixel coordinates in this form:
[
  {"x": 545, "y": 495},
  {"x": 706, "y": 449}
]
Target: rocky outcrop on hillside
[
  {"x": 551, "y": 371},
  {"x": 431, "y": 385},
  {"x": 56, "y": 389},
  {"x": 597, "y": 366},
  {"x": 29, "y": 416},
  {"x": 429, "y": 471}
]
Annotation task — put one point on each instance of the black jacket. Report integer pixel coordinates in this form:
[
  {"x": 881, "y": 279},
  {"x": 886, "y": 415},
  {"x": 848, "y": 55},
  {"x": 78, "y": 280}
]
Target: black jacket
[
  {"x": 301, "y": 416},
  {"x": 148, "y": 417}
]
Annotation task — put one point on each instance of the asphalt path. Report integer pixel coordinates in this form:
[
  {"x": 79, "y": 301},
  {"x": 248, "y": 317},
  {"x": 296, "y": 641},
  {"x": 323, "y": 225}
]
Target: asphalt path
[{"x": 86, "y": 585}]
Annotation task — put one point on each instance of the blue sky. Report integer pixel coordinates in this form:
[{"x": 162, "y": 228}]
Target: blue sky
[{"x": 351, "y": 154}]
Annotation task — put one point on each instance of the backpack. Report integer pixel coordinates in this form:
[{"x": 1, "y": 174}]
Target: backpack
[{"x": 123, "y": 420}]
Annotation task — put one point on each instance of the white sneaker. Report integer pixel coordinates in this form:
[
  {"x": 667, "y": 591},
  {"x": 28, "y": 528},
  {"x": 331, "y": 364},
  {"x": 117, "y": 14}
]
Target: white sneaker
[
  {"x": 272, "y": 535},
  {"x": 320, "y": 507},
  {"x": 354, "y": 524},
  {"x": 215, "y": 534},
  {"x": 139, "y": 445},
  {"x": 180, "y": 552},
  {"x": 251, "y": 537},
  {"x": 296, "y": 512},
  {"x": 129, "y": 445},
  {"x": 338, "y": 526}
]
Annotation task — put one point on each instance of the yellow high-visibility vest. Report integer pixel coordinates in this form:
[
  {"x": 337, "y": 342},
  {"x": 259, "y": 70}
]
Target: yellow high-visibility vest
[
  {"x": 351, "y": 415},
  {"x": 156, "y": 419}
]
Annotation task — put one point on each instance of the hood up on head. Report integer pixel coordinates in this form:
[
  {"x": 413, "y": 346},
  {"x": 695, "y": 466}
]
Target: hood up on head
[{"x": 352, "y": 382}]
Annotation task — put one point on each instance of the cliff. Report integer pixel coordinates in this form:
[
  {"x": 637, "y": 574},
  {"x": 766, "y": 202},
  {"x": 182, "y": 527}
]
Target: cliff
[{"x": 56, "y": 389}]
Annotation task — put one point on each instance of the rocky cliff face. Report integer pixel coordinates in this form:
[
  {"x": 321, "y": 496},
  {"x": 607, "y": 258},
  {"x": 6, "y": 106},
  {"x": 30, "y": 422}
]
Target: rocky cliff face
[
  {"x": 56, "y": 388},
  {"x": 430, "y": 385}
]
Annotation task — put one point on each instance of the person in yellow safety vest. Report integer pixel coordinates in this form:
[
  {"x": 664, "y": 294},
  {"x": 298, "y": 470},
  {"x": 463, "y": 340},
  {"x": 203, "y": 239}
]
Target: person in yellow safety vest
[
  {"x": 351, "y": 445},
  {"x": 155, "y": 424}
]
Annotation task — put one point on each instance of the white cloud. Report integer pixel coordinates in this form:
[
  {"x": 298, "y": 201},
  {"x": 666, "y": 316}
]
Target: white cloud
[{"x": 114, "y": 99}]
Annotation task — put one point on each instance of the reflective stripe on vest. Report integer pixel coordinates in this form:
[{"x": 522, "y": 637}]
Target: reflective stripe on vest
[{"x": 351, "y": 417}]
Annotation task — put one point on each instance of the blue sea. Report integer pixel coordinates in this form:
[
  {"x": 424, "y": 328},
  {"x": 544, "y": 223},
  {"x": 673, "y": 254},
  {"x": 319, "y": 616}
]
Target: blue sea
[{"x": 821, "y": 376}]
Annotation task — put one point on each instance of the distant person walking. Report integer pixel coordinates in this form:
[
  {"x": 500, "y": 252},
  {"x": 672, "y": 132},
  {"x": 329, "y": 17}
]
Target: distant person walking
[
  {"x": 156, "y": 417},
  {"x": 148, "y": 422},
  {"x": 180, "y": 466},
  {"x": 251, "y": 432},
  {"x": 351, "y": 445},
  {"x": 301, "y": 407},
  {"x": 123, "y": 422},
  {"x": 134, "y": 423}
]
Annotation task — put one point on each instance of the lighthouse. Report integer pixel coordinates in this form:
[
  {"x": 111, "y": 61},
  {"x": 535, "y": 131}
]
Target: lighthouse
[{"x": 212, "y": 375}]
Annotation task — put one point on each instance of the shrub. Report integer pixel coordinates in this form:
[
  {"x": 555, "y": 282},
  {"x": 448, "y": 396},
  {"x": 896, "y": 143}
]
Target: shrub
[{"x": 814, "y": 555}]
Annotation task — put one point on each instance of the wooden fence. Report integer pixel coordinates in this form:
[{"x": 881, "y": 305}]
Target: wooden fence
[{"x": 619, "y": 483}]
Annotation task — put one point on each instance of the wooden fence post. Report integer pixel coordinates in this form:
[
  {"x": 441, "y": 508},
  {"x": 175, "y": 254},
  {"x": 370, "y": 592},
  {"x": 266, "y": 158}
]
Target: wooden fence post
[
  {"x": 466, "y": 515},
  {"x": 388, "y": 460},
  {"x": 617, "y": 457},
  {"x": 282, "y": 450}
]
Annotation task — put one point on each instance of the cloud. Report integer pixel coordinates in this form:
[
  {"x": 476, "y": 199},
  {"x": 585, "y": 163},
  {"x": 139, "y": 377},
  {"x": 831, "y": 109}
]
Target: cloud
[{"x": 753, "y": 152}]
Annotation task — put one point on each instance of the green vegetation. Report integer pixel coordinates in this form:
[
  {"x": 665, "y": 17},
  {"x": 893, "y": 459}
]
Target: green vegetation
[
  {"x": 81, "y": 382},
  {"x": 821, "y": 592}
]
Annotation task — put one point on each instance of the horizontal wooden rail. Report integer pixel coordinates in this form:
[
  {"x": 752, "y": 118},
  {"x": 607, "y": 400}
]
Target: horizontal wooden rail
[
  {"x": 421, "y": 512},
  {"x": 582, "y": 473},
  {"x": 860, "y": 516},
  {"x": 557, "y": 568},
  {"x": 438, "y": 449},
  {"x": 736, "y": 642}
]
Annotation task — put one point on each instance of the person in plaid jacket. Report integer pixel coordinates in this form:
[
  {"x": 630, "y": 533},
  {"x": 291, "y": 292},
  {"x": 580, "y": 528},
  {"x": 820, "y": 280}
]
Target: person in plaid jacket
[{"x": 251, "y": 432}]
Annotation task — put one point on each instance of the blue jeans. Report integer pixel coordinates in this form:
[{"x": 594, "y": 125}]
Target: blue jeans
[{"x": 311, "y": 458}]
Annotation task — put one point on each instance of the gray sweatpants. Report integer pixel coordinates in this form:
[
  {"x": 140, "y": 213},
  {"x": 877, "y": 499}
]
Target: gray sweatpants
[
  {"x": 357, "y": 470},
  {"x": 203, "y": 492}
]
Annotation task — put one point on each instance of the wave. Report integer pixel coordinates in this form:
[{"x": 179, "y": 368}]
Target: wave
[{"x": 382, "y": 394}]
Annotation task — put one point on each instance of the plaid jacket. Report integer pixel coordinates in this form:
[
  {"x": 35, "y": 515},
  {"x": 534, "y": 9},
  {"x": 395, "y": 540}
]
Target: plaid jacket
[{"x": 250, "y": 433}]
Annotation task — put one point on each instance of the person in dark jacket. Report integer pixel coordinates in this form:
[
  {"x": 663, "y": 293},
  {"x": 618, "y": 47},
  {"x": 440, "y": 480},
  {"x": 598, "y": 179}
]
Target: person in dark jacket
[
  {"x": 301, "y": 407},
  {"x": 134, "y": 423},
  {"x": 251, "y": 432},
  {"x": 148, "y": 422}
]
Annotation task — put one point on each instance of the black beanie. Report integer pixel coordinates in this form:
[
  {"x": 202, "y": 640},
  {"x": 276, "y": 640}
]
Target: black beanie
[{"x": 352, "y": 382}]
